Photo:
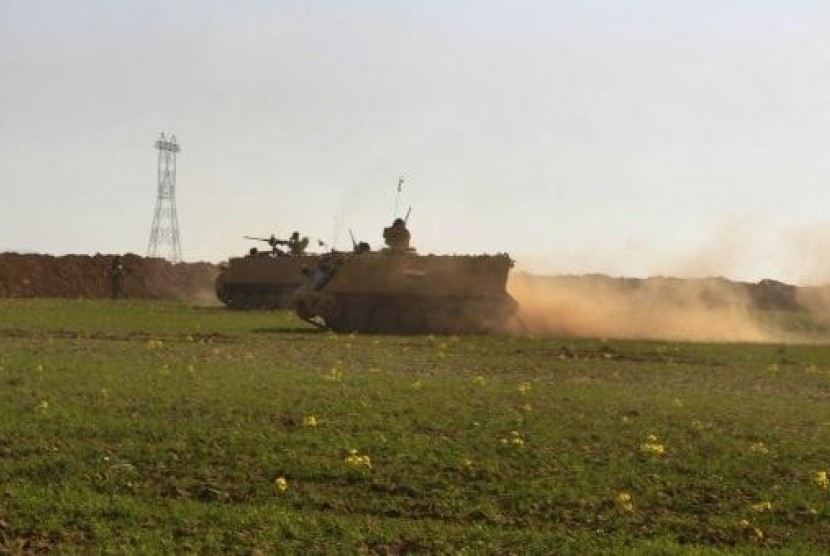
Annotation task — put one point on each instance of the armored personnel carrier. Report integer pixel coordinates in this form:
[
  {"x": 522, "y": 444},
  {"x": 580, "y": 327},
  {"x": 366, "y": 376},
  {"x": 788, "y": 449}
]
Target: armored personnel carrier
[
  {"x": 265, "y": 279},
  {"x": 397, "y": 291}
]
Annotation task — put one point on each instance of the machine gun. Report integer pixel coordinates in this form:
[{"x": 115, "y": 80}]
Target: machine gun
[
  {"x": 296, "y": 245},
  {"x": 272, "y": 241}
]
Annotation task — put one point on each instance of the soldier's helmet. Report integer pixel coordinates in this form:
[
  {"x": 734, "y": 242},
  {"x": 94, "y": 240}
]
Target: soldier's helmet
[
  {"x": 295, "y": 235},
  {"x": 398, "y": 222}
]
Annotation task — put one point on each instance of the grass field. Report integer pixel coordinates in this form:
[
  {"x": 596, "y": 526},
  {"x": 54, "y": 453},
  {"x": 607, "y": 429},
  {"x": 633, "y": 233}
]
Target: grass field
[{"x": 151, "y": 427}]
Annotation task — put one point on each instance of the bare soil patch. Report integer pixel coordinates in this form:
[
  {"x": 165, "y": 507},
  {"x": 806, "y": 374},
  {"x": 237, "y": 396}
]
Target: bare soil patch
[{"x": 74, "y": 276}]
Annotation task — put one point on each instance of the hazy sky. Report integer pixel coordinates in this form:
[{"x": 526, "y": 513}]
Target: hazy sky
[{"x": 625, "y": 137}]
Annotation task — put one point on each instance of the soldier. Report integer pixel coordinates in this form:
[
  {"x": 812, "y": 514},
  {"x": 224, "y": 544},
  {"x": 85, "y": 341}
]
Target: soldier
[
  {"x": 273, "y": 242},
  {"x": 117, "y": 278},
  {"x": 396, "y": 236},
  {"x": 296, "y": 245}
]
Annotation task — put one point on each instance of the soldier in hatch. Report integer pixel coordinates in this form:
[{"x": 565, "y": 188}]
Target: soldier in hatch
[
  {"x": 273, "y": 242},
  {"x": 296, "y": 245},
  {"x": 396, "y": 236}
]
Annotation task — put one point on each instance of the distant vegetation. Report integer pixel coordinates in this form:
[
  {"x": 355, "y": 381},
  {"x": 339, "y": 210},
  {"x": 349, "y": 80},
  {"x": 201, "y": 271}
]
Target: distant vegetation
[{"x": 155, "y": 427}]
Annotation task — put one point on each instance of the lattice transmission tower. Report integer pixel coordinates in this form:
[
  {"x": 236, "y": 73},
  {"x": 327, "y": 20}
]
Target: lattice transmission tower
[{"x": 164, "y": 235}]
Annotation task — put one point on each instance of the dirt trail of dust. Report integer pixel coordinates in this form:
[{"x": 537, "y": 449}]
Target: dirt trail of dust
[
  {"x": 657, "y": 308},
  {"x": 816, "y": 300}
]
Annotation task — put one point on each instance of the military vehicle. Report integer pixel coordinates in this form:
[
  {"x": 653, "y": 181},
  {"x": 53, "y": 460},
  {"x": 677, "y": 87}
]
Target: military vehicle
[
  {"x": 265, "y": 279},
  {"x": 397, "y": 291}
]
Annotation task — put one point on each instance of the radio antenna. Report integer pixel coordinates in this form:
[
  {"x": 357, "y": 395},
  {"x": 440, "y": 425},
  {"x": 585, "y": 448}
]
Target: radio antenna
[{"x": 398, "y": 197}]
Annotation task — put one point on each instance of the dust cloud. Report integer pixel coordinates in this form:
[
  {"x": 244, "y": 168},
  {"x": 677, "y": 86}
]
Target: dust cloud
[
  {"x": 200, "y": 295},
  {"x": 816, "y": 300},
  {"x": 656, "y": 308},
  {"x": 695, "y": 309}
]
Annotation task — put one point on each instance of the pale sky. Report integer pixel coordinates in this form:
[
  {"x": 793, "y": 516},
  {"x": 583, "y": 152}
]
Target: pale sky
[{"x": 631, "y": 138}]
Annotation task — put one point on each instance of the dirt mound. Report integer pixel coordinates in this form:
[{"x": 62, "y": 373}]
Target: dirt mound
[{"x": 32, "y": 275}]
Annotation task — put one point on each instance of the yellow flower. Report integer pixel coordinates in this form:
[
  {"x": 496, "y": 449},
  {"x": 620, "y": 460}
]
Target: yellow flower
[
  {"x": 154, "y": 344},
  {"x": 759, "y": 448},
  {"x": 281, "y": 484},
  {"x": 524, "y": 387},
  {"x": 478, "y": 380},
  {"x": 765, "y": 506},
  {"x": 821, "y": 479},
  {"x": 515, "y": 438},
  {"x": 652, "y": 446},
  {"x": 625, "y": 502},
  {"x": 334, "y": 375},
  {"x": 358, "y": 461},
  {"x": 311, "y": 421}
]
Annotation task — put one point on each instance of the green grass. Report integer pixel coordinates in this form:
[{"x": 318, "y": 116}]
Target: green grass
[{"x": 152, "y": 427}]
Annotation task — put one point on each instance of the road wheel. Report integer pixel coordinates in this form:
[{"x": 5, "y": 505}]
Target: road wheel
[
  {"x": 355, "y": 319},
  {"x": 385, "y": 321},
  {"x": 327, "y": 307},
  {"x": 439, "y": 320},
  {"x": 412, "y": 321}
]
